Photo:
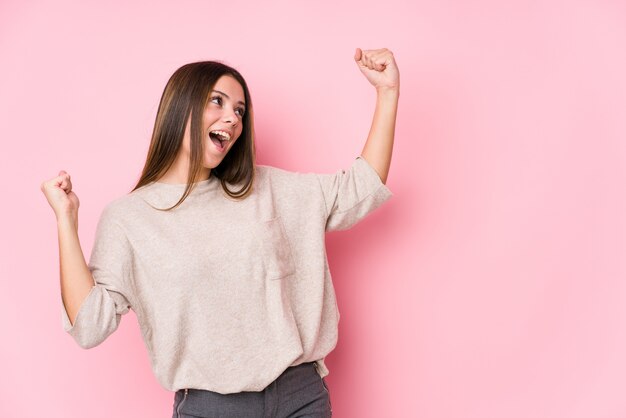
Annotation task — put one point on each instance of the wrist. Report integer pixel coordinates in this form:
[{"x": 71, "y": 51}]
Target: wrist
[
  {"x": 388, "y": 90},
  {"x": 67, "y": 219}
]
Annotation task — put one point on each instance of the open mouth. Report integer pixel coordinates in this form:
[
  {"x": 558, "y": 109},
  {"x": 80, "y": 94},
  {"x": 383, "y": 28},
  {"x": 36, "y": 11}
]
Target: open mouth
[{"x": 219, "y": 138}]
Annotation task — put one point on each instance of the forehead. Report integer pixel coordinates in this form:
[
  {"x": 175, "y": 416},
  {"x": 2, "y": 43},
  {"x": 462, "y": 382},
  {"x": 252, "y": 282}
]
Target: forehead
[{"x": 230, "y": 86}]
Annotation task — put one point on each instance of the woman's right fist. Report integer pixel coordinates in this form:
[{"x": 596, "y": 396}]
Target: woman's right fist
[{"x": 62, "y": 199}]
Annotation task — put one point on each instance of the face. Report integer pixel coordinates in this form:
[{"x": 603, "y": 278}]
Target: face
[{"x": 224, "y": 114}]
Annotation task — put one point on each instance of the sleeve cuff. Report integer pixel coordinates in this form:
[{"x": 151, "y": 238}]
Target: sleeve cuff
[
  {"x": 373, "y": 179},
  {"x": 65, "y": 319}
]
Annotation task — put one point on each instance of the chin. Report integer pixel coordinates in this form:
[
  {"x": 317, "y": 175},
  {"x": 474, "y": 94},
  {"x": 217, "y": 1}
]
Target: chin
[{"x": 212, "y": 163}]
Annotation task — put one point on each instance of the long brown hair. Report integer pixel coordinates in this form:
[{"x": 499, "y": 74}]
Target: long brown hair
[{"x": 187, "y": 93}]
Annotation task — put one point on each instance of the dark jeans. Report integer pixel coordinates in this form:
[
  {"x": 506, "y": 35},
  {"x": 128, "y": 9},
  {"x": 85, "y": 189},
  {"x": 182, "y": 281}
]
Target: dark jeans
[{"x": 298, "y": 392}]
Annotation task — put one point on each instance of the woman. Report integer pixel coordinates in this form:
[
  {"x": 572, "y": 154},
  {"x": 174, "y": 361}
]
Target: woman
[{"x": 222, "y": 260}]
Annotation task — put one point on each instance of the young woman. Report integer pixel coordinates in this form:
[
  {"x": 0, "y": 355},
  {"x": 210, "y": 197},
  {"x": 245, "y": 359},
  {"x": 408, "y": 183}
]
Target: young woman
[{"x": 223, "y": 260}]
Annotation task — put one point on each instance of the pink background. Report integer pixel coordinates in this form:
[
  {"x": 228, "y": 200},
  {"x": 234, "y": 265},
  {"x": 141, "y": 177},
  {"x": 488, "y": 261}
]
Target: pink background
[{"x": 493, "y": 283}]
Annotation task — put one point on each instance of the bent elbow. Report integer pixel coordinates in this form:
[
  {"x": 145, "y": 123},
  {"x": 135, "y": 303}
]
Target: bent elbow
[
  {"x": 87, "y": 343},
  {"x": 98, "y": 318}
]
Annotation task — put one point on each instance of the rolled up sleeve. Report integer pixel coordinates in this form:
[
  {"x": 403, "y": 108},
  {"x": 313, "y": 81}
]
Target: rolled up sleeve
[
  {"x": 110, "y": 264},
  {"x": 350, "y": 195}
]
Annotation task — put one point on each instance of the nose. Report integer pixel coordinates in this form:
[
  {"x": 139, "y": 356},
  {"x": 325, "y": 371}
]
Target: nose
[{"x": 230, "y": 116}]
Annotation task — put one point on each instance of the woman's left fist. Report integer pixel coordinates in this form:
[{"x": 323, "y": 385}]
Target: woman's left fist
[{"x": 379, "y": 67}]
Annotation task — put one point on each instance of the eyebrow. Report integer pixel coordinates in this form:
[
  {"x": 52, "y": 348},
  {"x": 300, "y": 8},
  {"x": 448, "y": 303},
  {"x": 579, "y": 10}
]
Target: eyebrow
[{"x": 228, "y": 97}]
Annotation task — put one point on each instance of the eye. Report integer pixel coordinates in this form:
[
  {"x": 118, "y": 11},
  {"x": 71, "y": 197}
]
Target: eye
[{"x": 219, "y": 98}]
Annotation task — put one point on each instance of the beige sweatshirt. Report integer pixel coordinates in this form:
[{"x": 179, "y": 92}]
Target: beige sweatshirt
[{"x": 228, "y": 294}]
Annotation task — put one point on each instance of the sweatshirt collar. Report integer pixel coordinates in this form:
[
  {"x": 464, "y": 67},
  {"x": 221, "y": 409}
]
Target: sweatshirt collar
[{"x": 165, "y": 195}]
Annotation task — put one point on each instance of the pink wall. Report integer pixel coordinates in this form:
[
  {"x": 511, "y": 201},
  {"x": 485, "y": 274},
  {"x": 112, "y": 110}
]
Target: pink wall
[{"x": 492, "y": 285}]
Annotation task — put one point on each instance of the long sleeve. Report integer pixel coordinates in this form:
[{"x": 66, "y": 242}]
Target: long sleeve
[
  {"x": 352, "y": 194},
  {"x": 110, "y": 264}
]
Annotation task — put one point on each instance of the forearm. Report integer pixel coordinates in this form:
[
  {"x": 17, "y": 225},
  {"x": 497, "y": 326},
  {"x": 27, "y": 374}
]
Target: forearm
[
  {"x": 76, "y": 279},
  {"x": 379, "y": 145}
]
